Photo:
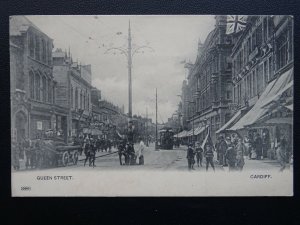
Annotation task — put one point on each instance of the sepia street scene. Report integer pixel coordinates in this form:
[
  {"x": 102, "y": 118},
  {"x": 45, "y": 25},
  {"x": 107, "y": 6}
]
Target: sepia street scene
[{"x": 163, "y": 93}]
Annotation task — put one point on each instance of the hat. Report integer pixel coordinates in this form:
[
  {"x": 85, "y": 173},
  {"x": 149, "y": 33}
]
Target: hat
[{"x": 190, "y": 145}]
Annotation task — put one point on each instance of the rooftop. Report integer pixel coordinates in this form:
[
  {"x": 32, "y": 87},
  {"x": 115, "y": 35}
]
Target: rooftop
[{"x": 20, "y": 24}]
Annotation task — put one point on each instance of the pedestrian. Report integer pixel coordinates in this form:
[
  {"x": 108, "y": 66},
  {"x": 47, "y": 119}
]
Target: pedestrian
[
  {"x": 282, "y": 152},
  {"x": 190, "y": 156},
  {"x": 228, "y": 143},
  {"x": 221, "y": 148},
  {"x": 140, "y": 152},
  {"x": 209, "y": 156},
  {"x": 240, "y": 162},
  {"x": 121, "y": 151},
  {"x": 258, "y": 146},
  {"x": 199, "y": 153},
  {"x": 131, "y": 152},
  {"x": 230, "y": 156},
  {"x": 15, "y": 155},
  {"x": 26, "y": 145}
]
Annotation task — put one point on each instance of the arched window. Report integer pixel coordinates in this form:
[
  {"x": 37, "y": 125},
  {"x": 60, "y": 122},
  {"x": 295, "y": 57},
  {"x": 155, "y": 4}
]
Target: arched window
[
  {"x": 43, "y": 51},
  {"x": 84, "y": 101},
  {"x": 31, "y": 83},
  {"x": 31, "y": 45},
  {"x": 49, "y": 52},
  {"x": 44, "y": 89},
  {"x": 71, "y": 96},
  {"x": 76, "y": 98},
  {"x": 49, "y": 91},
  {"x": 37, "y": 87},
  {"x": 37, "y": 48},
  {"x": 53, "y": 91},
  {"x": 80, "y": 103}
]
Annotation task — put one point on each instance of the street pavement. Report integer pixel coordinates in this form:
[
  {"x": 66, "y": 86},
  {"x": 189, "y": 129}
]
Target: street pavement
[{"x": 161, "y": 160}]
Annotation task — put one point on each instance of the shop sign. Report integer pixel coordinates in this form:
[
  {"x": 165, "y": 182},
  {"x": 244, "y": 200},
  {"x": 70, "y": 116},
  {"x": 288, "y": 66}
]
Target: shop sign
[{"x": 39, "y": 125}]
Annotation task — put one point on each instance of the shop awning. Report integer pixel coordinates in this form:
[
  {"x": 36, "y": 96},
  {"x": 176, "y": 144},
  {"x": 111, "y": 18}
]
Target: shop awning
[
  {"x": 233, "y": 120},
  {"x": 190, "y": 133},
  {"x": 181, "y": 134},
  {"x": 199, "y": 130},
  {"x": 277, "y": 86}
]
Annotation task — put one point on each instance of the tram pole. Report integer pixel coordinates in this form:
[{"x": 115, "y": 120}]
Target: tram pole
[{"x": 156, "y": 147}]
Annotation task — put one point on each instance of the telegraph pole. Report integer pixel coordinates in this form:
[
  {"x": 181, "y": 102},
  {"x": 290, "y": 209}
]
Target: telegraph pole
[
  {"x": 156, "y": 147},
  {"x": 129, "y": 74},
  {"x": 147, "y": 138}
]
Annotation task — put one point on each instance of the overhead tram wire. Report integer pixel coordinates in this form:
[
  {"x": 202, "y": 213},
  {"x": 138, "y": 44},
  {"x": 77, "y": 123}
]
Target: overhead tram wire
[{"x": 88, "y": 38}]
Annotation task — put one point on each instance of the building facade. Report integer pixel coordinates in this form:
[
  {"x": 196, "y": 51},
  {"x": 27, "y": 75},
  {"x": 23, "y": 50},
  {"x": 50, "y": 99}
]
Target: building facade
[
  {"x": 33, "y": 109},
  {"x": 73, "y": 91},
  {"x": 209, "y": 85},
  {"x": 263, "y": 61}
]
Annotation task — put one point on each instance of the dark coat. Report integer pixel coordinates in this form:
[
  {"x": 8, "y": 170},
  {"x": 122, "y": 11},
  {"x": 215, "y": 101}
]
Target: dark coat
[{"x": 190, "y": 153}]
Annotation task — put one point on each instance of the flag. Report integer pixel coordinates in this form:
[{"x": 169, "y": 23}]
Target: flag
[
  {"x": 183, "y": 62},
  {"x": 235, "y": 24}
]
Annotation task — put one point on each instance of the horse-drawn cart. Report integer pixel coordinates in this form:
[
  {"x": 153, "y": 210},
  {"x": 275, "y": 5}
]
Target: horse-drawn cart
[{"x": 53, "y": 153}]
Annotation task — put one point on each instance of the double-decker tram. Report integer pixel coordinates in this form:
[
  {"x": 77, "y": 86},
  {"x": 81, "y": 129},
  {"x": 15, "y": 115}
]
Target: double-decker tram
[{"x": 166, "y": 138}]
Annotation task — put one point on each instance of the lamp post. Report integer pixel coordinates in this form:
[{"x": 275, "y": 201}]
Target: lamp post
[{"x": 129, "y": 53}]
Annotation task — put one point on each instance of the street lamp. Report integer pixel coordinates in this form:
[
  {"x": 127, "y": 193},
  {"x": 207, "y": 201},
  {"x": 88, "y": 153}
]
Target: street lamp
[{"x": 129, "y": 53}]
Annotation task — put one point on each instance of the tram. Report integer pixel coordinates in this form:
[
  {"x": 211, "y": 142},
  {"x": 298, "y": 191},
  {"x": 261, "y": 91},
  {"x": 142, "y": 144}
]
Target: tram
[{"x": 166, "y": 138}]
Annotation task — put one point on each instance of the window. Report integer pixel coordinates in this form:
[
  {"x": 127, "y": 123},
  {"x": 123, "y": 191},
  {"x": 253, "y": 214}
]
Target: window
[
  {"x": 249, "y": 45},
  {"x": 290, "y": 41},
  {"x": 251, "y": 84},
  {"x": 37, "y": 87},
  {"x": 254, "y": 83},
  {"x": 270, "y": 68},
  {"x": 71, "y": 96},
  {"x": 31, "y": 81},
  {"x": 31, "y": 45},
  {"x": 253, "y": 43},
  {"x": 80, "y": 103},
  {"x": 44, "y": 89},
  {"x": 270, "y": 26},
  {"x": 84, "y": 101},
  {"x": 265, "y": 28},
  {"x": 248, "y": 85},
  {"x": 76, "y": 98},
  {"x": 259, "y": 35},
  {"x": 266, "y": 73},
  {"x": 43, "y": 50},
  {"x": 53, "y": 91},
  {"x": 37, "y": 48},
  {"x": 282, "y": 46},
  {"x": 49, "y": 91},
  {"x": 49, "y": 53}
]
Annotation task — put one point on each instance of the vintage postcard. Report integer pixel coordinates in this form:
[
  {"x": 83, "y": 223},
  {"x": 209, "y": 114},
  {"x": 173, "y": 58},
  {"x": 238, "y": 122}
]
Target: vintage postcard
[{"x": 131, "y": 105}]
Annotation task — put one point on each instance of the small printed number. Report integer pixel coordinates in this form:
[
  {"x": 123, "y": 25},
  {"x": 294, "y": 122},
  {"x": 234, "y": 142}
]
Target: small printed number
[{"x": 25, "y": 188}]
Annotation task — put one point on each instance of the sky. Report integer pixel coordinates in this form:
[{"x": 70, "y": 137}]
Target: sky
[{"x": 171, "y": 40}]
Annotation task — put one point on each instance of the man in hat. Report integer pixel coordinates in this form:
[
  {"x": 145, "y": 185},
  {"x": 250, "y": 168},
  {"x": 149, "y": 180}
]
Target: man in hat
[
  {"x": 190, "y": 156},
  {"x": 209, "y": 155},
  {"x": 199, "y": 153},
  {"x": 221, "y": 148},
  {"x": 230, "y": 155}
]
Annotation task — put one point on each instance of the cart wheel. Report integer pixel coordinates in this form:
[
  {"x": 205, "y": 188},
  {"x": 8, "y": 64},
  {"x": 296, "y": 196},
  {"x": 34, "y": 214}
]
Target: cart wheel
[
  {"x": 65, "y": 158},
  {"x": 75, "y": 158}
]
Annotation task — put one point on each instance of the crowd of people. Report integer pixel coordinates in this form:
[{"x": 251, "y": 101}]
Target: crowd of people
[
  {"x": 37, "y": 154},
  {"x": 90, "y": 146},
  {"x": 231, "y": 151}
]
